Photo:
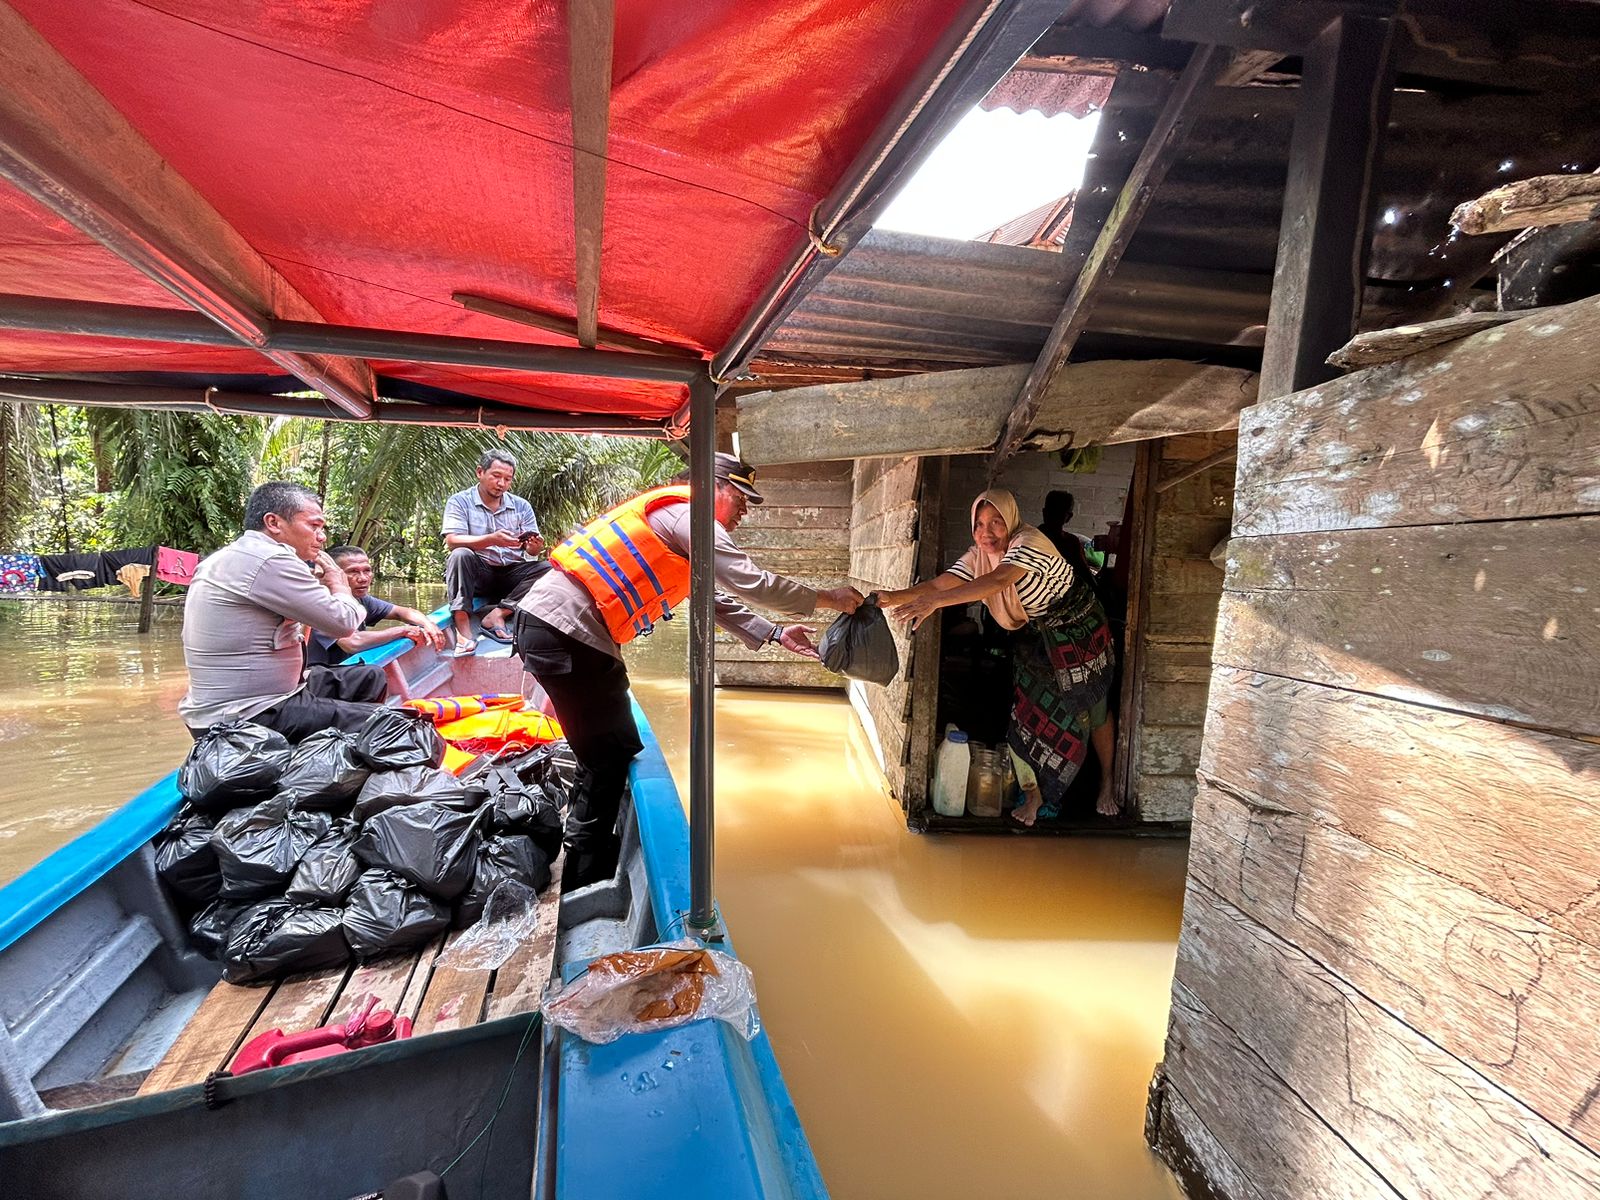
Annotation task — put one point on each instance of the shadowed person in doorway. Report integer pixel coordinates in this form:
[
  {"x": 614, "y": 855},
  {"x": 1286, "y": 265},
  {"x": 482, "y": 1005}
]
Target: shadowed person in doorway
[
  {"x": 244, "y": 623},
  {"x": 1062, "y": 655},
  {"x": 325, "y": 651},
  {"x": 492, "y": 537},
  {"x": 614, "y": 578}
]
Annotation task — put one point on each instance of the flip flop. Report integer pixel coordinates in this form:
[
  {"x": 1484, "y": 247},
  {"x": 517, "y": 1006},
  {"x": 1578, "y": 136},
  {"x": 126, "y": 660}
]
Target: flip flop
[
  {"x": 497, "y": 634},
  {"x": 465, "y": 647}
]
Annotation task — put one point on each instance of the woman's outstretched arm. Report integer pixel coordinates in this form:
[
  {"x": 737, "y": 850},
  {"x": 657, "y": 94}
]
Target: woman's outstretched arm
[{"x": 948, "y": 591}]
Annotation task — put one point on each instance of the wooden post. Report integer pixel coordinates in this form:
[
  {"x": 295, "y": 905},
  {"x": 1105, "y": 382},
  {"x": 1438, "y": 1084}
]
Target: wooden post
[
  {"x": 590, "y": 28},
  {"x": 1141, "y": 540},
  {"x": 1347, "y": 82},
  {"x": 147, "y": 597},
  {"x": 922, "y": 730}
]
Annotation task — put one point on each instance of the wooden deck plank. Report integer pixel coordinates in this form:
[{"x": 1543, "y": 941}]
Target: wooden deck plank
[
  {"x": 386, "y": 978},
  {"x": 520, "y": 983},
  {"x": 454, "y": 999},
  {"x": 300, "y": 1002},
  {"x": 421, "y": 976},
  {"x": 210, "y": 1037}
]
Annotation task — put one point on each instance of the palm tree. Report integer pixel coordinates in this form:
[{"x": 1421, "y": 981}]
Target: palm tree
[{"x": 22, "y": 468}]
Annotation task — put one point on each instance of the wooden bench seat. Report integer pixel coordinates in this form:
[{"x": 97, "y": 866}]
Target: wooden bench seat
[{"x": 410, "y": 985}]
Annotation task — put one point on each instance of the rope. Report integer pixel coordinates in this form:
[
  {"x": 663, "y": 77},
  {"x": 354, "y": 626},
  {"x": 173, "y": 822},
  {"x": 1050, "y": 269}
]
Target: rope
[{"x": 817, "y": 244}]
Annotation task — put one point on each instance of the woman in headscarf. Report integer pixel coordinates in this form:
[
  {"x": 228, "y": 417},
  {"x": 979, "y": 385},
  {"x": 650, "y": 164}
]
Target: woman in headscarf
[{"x": 1061, "y": 658}]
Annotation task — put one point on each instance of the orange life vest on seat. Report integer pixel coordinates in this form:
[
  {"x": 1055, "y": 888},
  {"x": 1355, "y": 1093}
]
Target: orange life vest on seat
[{"x": 631, "y": 575}]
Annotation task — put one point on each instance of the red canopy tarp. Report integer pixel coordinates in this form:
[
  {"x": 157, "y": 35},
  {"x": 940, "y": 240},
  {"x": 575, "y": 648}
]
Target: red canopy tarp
[{"x": 382, "y": 156}]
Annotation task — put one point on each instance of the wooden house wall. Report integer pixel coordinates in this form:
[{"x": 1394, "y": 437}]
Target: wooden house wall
[
  {"x": 894, "y": 499},
  {"x": 1177, "y": 625},
  {"x": 1388, "y": 977},
  {"x": 802, "y": 531}
]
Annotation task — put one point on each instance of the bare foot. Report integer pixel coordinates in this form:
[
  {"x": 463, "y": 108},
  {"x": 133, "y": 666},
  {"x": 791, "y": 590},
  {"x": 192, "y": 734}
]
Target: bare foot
[
  {"x": 1106, "y": 805},
  {"x": 1027, "y": 812}
]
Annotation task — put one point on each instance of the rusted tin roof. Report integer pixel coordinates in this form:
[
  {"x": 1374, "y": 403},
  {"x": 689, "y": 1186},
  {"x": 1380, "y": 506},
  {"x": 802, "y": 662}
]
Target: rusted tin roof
[{"x": 1197, "y": 274}]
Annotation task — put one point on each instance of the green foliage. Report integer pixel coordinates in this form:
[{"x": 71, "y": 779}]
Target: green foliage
[{"x": 181, "y": 480}]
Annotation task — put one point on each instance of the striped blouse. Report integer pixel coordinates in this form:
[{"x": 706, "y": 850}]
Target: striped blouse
[{"x": 1048, "y": 578}]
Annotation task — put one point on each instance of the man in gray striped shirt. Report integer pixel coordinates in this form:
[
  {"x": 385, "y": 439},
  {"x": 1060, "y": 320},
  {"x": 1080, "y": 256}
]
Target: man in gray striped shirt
[{"x": 492, "y": 536}]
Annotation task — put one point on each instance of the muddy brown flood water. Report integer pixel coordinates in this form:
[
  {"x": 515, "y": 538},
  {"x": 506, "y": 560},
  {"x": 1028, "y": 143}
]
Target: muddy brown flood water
[{"x": 955, "y": 1017}]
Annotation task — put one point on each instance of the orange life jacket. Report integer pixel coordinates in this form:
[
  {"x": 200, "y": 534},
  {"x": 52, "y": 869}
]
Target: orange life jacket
[{"x": 631, "y": 575}]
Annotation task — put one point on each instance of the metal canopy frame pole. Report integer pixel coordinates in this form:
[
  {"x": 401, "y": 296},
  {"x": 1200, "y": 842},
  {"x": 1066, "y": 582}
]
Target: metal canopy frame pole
[
  {"x": 702, "y": 657},
  {"x": 89, "y": 319}
]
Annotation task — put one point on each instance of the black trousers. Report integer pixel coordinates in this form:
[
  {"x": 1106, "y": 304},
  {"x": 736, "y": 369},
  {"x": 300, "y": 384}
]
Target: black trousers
[
  {"x": 468, "y": 578},
  {"x": 589, "y": 690},
  {"x": 333, "y": 698}
]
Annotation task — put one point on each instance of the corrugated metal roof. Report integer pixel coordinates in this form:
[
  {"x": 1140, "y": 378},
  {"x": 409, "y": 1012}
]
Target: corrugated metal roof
[
  {"x": 1043, "y": 228},
  {"x": 1198, "y": 271}
]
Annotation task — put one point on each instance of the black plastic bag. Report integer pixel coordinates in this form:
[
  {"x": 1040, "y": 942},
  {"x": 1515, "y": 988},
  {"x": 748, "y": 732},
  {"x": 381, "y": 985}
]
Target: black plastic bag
[
  {"x": 433, "y": 846},
  {"x": 325, "y": 773},
  {"x": 384, "y": 913},
  {"x": 410, "y": 785},
  {"x": 328, "y": 869},
  {"x": 552, "y": 766},
  {"x": 233, "y": 765},
  {"x": 258, "y": 848},
  {"x": 209, "y": 930},
  {"x": 278, "y": 938},
  {"x": 185, "y": 859},
  {"x": 508, "y": 856},
  {"x": 518, "y": 807},
  {"x": 399, "y": 737},
  {"x": 860, "y": 645}
]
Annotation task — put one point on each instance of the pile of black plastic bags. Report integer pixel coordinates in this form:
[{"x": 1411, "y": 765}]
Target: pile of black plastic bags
[{"x": 286, "y": 859}]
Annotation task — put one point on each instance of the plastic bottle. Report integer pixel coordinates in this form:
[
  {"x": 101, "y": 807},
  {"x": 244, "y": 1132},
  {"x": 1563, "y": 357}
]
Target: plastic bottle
[
  {"x": 950, "y": 774},
  {"x": 984, "y": 783}
]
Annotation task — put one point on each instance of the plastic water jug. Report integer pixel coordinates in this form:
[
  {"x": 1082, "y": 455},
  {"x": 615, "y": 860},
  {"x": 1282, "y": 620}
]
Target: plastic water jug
[{"x": 950, "y": 775}]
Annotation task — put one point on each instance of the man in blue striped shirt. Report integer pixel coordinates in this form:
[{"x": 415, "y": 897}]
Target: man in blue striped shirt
[{"x": 492, "y": 537}]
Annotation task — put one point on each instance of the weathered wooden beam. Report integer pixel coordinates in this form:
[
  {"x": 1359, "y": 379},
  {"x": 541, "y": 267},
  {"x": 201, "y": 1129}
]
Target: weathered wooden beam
[
  {"x": 1411, "y": 1112},
  {"x": 590, "y": 27},
  {"x": 1247, "y": 66},
  {"x": 1189, "y": 472},
  {"x": 1505, "y": 1008},
  {"x": 64, "y": 145},
  {"x": 963, "y": 412},
  {"x": 1485, "y": 617},
  {"x": 1543, "y": 200},
  {"x": 1462, "y": 796},
  {"x": 1413, "y": 443},
  {"x": 1182, "y": 107},
  {"x": 610, "y": 339},
  {"x": 1323, "y": 241},
  {"x": 1390, "y": 345},
  {"x": 1556, "y": 265}
]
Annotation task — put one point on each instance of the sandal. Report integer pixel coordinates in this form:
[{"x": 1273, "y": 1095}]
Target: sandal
[
  {"x": 465, "y": 647},
  {"x": 497, "y": 633}
]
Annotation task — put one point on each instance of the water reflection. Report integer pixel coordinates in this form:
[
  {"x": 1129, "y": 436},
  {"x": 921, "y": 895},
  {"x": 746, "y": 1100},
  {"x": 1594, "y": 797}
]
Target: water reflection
[{"x": 955, "y": 1016}]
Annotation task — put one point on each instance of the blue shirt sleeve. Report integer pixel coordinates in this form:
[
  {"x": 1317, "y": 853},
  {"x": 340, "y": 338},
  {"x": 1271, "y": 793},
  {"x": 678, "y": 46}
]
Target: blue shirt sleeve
[
  {"x": 377, "y": 610},
  {"x": 530, "y": 523},
  {"x": 455, "y": 516}
]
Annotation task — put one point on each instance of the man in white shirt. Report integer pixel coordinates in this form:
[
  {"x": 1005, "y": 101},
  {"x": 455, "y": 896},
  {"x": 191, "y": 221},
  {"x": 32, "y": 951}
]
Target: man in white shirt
[{"x": 245, "y": 618}]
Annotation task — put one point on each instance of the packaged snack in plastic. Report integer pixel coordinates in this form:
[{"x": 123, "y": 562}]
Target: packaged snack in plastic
[
  {"x": 325, "y": 773},
  {"x": 399, "y": 737},
  {"x": 409, "y": 785},
  {"x": 384, "y": 913},
  {"x": 185, "y": 859},
  {"x": 656, "y": 987},
  {"x": 233, "y": 765},
  {"x": 258, "y": 848},
  {"x": 507, "y": 923}
]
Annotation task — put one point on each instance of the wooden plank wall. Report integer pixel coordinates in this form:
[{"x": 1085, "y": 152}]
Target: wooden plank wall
[
  {"x": 1388, "y": 978},
  {"x": 802, "y": 531},
  {"x": 1179, "y": 624},
  {"x": 883, "y": 554}
]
